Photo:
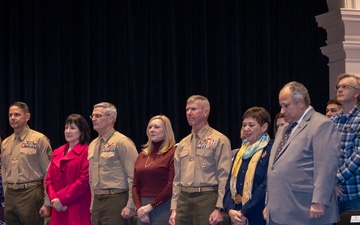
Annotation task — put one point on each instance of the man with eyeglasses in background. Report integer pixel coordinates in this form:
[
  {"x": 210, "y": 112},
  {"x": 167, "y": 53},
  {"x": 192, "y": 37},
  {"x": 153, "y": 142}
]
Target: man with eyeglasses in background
[
  {"x": 111, "y": 166},
  {"x": 348, "y": 124}
]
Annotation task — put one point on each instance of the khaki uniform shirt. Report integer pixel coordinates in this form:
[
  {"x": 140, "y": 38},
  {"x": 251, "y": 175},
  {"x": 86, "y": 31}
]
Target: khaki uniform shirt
[
  {"x": 111, "y": 163},
  {"x": 25, "y": 158},
  {"x": 202, "y": 161}
]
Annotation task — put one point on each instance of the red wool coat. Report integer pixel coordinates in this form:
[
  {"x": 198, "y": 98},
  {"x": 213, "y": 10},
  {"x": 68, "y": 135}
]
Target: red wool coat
[{"x": 68, "y": 180}]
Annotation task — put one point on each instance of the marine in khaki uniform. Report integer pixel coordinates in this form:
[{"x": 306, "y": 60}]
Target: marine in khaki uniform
[
  {"x": 25, "y": 158},
  {"x": 111, "y": 162},
  {"x": 202, "y": 163}
]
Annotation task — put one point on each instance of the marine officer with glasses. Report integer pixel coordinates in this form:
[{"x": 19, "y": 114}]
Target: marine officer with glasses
[
  {"x": 111, "y": 168},
  {"x": 348, "y": 124}
]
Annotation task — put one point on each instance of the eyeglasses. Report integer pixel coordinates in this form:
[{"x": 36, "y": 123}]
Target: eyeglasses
[
  {"x": 97, "y": 116},
  {"x": 345, "y": 87}
]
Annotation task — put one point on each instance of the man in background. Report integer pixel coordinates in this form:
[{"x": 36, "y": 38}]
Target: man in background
[
  {"x": 333, "y": 107},
  {"x": 348, "y": 124}
]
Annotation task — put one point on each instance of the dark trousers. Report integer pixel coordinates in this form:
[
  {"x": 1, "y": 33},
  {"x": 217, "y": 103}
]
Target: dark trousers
[
  {"x": 22, "y": 206},
  {"x": 106, "y": 209},
  {"x": 349, "y": 205},
  {"x": 195, "y": 208}
]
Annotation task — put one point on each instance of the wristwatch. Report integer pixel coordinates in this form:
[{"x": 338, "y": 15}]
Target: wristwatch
[{"x": 220, "y": 209}]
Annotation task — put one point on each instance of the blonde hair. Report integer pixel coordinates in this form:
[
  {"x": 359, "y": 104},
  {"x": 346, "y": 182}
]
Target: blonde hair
[{"x": 169, "y": 140}]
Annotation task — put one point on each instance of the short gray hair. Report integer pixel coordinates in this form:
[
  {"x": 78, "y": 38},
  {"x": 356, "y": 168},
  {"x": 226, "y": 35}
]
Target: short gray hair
[
  {"x": 298, "y": 91},
  {"x": 109, "y": 108},
  {"x": 203, "y": 100}
]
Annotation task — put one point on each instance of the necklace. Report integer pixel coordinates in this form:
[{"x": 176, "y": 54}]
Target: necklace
[{"x": 147, "y": 165}]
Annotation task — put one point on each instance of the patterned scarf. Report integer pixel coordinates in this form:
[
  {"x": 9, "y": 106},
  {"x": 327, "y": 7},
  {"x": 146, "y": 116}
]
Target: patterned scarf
[{"x": 247, "y": 151}]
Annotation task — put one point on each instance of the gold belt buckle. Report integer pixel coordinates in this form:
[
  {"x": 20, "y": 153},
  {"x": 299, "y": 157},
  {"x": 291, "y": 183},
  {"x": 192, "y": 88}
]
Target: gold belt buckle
[{"x": 189, "y": 189}]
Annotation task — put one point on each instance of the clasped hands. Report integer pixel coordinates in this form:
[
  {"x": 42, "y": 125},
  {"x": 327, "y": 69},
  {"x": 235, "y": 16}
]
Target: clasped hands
[
  {"x": 143, "y": 213},
  {"x": 56, "y": 204},
  {"x": 237, "y": 218}
]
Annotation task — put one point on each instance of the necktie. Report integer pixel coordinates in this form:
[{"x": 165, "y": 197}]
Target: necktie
[{"x": 285, "y": 138}]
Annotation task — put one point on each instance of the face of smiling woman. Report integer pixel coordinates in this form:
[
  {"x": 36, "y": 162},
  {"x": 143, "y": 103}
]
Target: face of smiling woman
[
  {"x": 253, "y": 130},
  {"x": 72, "y": 133}
]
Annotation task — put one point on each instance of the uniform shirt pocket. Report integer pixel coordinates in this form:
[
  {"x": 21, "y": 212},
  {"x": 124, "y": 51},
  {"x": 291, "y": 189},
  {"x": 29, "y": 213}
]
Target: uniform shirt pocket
[
  {"x": 107, "y": 155},
  {"x": 205, "y": 157},
  {"x": 28, "y": 151},
  {"x": 184, "y": 158}
]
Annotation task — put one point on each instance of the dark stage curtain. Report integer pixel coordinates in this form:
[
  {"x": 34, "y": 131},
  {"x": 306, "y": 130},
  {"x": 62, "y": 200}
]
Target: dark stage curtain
[{"x": 148, "y": 57}]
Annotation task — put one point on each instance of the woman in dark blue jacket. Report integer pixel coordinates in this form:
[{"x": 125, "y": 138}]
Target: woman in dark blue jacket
[{"x": 246, "y": 186}]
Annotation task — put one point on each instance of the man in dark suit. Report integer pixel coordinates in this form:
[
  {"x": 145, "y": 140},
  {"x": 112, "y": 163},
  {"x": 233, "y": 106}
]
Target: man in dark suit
[{"x": 302, "y": 164}]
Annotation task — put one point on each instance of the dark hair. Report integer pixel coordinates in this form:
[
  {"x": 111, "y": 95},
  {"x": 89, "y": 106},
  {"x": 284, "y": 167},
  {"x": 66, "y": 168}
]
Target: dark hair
[
  {"x": 260, "y": 114},
  {"x": 333, "y": 101},
  {"x": 21, "y": 105},
  {"x": 278, "y": 115},
  {"x": 83, "y": 126}
]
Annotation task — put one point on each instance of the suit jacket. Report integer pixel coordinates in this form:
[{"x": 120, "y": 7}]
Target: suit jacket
[
  {"x": 68, "y": 180},
  {"x": 304, "y": 172}
]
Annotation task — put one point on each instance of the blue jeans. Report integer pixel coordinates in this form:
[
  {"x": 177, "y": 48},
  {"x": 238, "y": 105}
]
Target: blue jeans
[
  {"x": 159, "y": 215},
  {"x": 349, "y": 205}
]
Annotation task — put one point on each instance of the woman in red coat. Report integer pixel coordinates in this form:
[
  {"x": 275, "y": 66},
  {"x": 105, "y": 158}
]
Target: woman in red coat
[{"x": 67, "y": 180}]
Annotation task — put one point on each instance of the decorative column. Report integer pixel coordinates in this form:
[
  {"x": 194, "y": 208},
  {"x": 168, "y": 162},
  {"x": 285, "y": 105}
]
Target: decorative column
[{"x": 342, "y": 24}]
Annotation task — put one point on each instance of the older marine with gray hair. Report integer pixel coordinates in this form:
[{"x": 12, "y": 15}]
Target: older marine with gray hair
[{"x": 111, "y": 161}]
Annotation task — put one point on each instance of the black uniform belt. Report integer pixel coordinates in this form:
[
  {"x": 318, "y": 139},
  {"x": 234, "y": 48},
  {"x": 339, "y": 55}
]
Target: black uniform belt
[
  {"x": 24, "y": 185},
  {"x": 190, "y": 189},
  {"x": 109, "y": 191}
]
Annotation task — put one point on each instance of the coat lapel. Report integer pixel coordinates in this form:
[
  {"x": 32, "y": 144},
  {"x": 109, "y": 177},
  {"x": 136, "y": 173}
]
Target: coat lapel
[
  {"x": 304, "y": 122},
  {"x": 60, "y": 159}
]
